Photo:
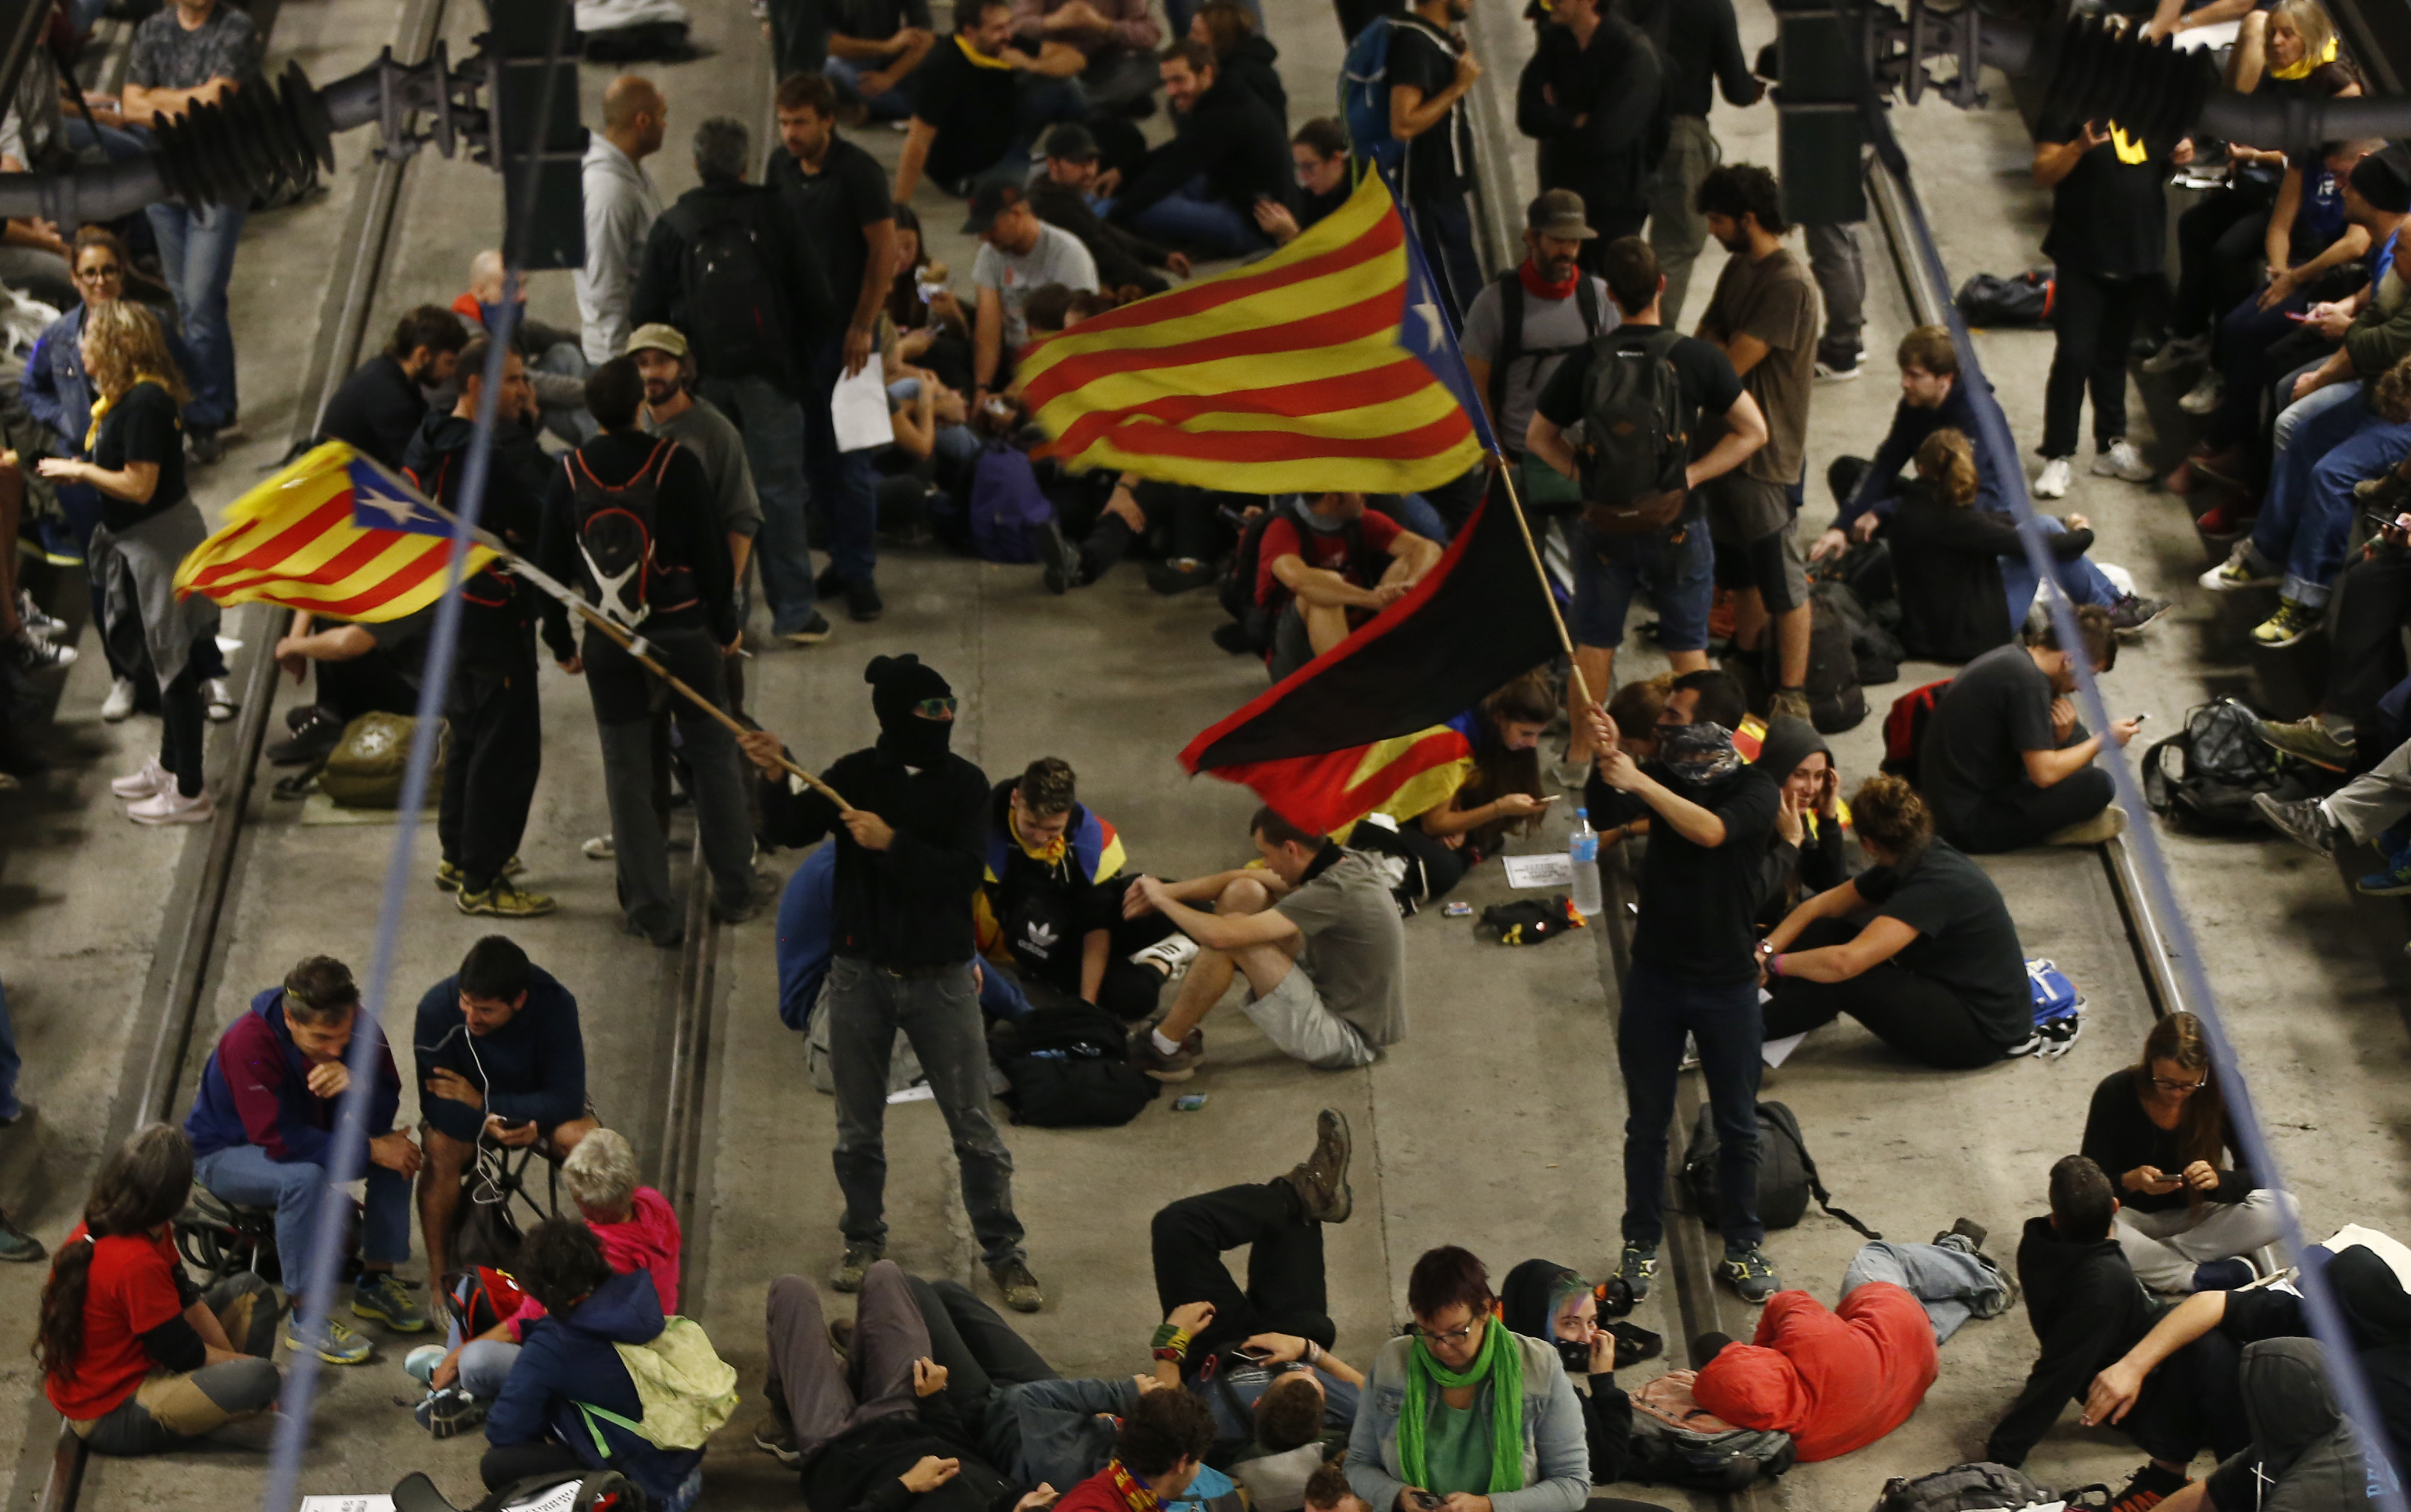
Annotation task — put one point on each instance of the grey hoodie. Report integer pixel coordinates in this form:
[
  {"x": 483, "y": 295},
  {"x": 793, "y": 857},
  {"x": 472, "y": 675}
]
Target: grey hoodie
[{"x": 2302, "y": 1458}]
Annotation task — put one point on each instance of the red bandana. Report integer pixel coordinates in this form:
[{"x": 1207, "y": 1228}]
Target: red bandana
[
  {"x": 1135, "y": 1494},
  {"x": 1540, "y": 290}
]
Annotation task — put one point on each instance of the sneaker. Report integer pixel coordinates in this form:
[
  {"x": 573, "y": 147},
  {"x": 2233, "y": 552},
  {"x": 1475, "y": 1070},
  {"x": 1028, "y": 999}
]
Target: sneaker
[
  {"x": 1323, "y": 1194},
  {"x": 775, "y": 1436},
  {"x": 2226, "y": 521},
  {"x": 330, "y": 1341},
  {"x": 146, "y": 782},
  {"x": 2242, "y": 569},
  {"x": 2147, "y": 1488},
  {"x": 739, "y": 912},
  {"x": 856, "y": 1259},
  {"x": 815, "y": 630},
  {"x": 172, "y": 807},
  {"x": 862, "y": 601},
  {"x": 1179, "y": 574},
  {"x": 2394, "y": 881},
  {"x": 598, "y": 849},
  {"x": 2119, "y": 460},
  {"x": 2133, "y": 613},
  {"x": 1177, "y": 1067},
  {"x": 1750, "y": 1275},
  {"x": 2102, "y": 827},
  {"x": 2223, "y": 1275},
  {"x": 2303, "y": 821},
  {"x": 448, "y": 1413},
  {"x": 448, "y": 877},
  {"x": 119, "y": 705},
  {"x": 316, "y": 732},
  {"x": 420, "y": 1363},
  {"x": 1635, "y": 1268},
  {"x": 17, "y": 1245},
  {"x": 1169, "y": 956},
  {"x": 2205, "y": 397},
  {"x": 2181, "y": 352},
  {"x": 1061, "y": 562},
  {"x": 2050, "y": 1040},
  {"x": 1838, "y": 367},
  {"x": 217, "y": 702},
  {"x": 2308, "y": 738},
  {"x": 32, "y": 653},
  {"x": 506, "y": 898},
  {"x": 2057, "y": 472},
  {"x": 2292, "y": 624},
  {"x": 1789, "y": 703},
  {"x": 207, "y": 447},
  {"x": 380, "y": 1296},
  {"x": 30, "y": 614},
  {"x": 1021, "y": 1290}
]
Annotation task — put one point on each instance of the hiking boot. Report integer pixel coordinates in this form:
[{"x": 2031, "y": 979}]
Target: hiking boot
[
  {"x": 1750, "y": 1275},
  {"x": 2101, "y": 829},
  {"x": 119, "y": 705},
  {"x": 1056, "y": 555},
  {"x": 2147, "y": 1488},
  {"x": 1635, "y": 1268},
  {"x": 812, "y": 632},
  {"x": 2292, "y": 624},
  {"x": 862, "y": 601},
  {"x": 2242, "y": 569},
  {"x": 1169, "y": 956},
  {"x": 506, "y": 898},
  {"x": 2392, "y": 881},
  {"x": 1323, "y": 1195},
  {"x": 2119, "y": 460},
  {"x": 172, "y": 807},
  {"x": 1021, "y": 1290},
  {"x": 18, "y": 1245},
  {"x": 1967, "y": 1228},
  {"x": 2303, "y": 821},
  {"x": 380, "y": 1296},
  {"x": 449, "y": 1411},
  {"x": 2308, "y": 738},
  {"x": 1789, "y": 703},
  {"x": 329, "y": 1339},
  {"x": 2229, "y": 522},
  {"x": 856, "y": 1259},
  {"x": 2133, "y": 612},
  {"x": 739, "y": 912},
  {"x": 1177, "y": 1067},
  {"x": 31, "y": 653}
]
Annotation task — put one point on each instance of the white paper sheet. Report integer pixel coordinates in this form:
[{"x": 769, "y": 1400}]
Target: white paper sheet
[
  {"x": 920, "y": 1091},
  {"x": 1775, "y": 1052},
  {"x": 859, "y": 408},
  {"x": 347, "y": 1504},
  {"x": 1549, "y": 869}
]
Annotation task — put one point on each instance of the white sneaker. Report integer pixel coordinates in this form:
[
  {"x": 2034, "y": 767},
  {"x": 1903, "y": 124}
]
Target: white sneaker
[
  {"x": 2205, "y": 397},
  {"x": 171, "y": 807},
  {"x": 599, "y": 848},
  {"x": 120, "y": 702},
  {"x": 218, "y": 700},
  {"x": 2122, "y": 461},
  {"x": 2182, "y": 352},
  {"x": 2239, "y": 571},
  {"x": 1170, "y": 955},
  {"x": 2057, "y": 472},
  {"x": 153, "y": 780}
]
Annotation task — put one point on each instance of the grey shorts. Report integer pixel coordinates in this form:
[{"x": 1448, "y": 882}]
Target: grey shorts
[{"x": 1295, "y": 1018}]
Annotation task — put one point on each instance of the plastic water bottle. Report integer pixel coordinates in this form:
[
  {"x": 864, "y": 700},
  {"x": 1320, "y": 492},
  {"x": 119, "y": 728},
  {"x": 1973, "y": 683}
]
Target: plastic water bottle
[{"x": 1583, "y": 851}]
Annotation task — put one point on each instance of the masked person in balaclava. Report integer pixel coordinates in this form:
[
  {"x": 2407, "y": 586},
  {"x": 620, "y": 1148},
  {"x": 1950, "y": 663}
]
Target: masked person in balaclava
[{"x": 909, "y": 851}]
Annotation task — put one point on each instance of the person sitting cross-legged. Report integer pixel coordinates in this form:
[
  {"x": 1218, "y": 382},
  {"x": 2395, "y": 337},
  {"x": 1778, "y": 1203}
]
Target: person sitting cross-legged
[
  {"x": 1326, "y": 566},
  {"x": 1315, "y": 932}
]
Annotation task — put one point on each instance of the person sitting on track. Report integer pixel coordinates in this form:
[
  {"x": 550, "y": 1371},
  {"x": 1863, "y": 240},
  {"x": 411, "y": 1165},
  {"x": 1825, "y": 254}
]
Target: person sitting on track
[
  {"x": 136, "y": 1358},
  {"x": 501, "y": 1058},
  {"x": 1544, "y": 1300},
  {"x": 1811, "y": 851}
]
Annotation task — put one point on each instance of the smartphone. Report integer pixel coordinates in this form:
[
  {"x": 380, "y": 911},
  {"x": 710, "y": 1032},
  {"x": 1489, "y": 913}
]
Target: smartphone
[
  {"x": 2295, "y": 316},
  {"x": 2139, "y": 718},
  {"x": 1253, "y": 1353}
]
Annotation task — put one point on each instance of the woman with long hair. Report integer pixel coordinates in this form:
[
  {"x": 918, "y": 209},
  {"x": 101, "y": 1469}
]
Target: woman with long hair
[
  {"x": 1242, "y": 51},
  {"x": 1948, "y": 557},
  {"x": 134, "y": 1356},
  {"x": 1811, "y": 826},
  {"x": 148, "y": 525},
  {"x": 2159, "y": 1129},
  {"x": 1498, "y": 793}
]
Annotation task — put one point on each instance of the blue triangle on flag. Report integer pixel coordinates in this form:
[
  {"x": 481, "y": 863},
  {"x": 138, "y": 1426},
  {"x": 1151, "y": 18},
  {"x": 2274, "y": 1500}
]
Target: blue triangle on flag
[
  {"x": 381, "y": 500},
  {"x": 1424, "y": 330}
]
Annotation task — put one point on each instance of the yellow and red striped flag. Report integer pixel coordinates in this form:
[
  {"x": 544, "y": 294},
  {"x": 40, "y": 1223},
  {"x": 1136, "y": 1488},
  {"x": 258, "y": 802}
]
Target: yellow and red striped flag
[
  {"x": 334, "y": 533},
  {"x": 1327, "y": 366}
]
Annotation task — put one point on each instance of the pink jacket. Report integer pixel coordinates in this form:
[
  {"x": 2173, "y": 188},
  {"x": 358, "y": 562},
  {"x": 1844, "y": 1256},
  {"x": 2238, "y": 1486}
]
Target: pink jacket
[{"x": 647, "y": 1239}]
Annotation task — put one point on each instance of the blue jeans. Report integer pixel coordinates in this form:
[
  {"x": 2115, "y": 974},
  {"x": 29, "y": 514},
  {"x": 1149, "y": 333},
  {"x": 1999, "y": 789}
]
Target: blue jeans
[
  {"x": 1415, "y": 512},
  {"x": 1444, "y": 227},
  {"x": 245, "y": 1174},
  {"x": 1610, "y": 569},
  {"x": 1949, "y": 1281},
  {"x": 846, "y": 74},
  {"x": 845, "y": 482},
  {"x": 2309, "y": 507},
  {"x": 1191, "y": 217},
  {"x": 11, "y": 1062},
  {"x": 2080, "y": 579},
  {"x": 197, "y": 250},
  {"x": 485, "y": 1364},
  {"x": 2293, "y": 414},
  {"x": 773, "y": 427},
  {"x": 116, "y": 144},
  {"x": 1723, "y": 1019}
]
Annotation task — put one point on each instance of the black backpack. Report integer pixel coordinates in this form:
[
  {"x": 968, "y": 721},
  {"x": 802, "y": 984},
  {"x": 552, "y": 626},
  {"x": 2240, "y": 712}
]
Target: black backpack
[
  {"x": 1787, "y": 1177},
  {"x": 1983, "y": 1487},
  {"x": 1068, "y": 1063},
  {"x": 1511, "y": 338},
  {"x": 2018, "y": 300},
  {"x": 2209, "y": 771},
  {"x": 619, "y": 534},
  {"x": 1635, "y": 445},
  {"x": 1237, "y": 589},
  {"x": 735, "y": 314}
]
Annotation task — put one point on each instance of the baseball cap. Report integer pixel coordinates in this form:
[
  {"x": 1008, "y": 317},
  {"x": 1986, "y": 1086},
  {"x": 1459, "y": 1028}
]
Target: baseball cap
[
  {"x": 1559, "y": 214},
  {"x": 656, "y": 337},
  {"x": 991, "y": 200},
  {"x": 1071, "y": 142}
]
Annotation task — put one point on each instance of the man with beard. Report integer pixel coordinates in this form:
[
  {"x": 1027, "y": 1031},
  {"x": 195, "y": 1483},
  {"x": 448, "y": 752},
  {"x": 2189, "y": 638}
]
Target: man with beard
[
  {"x": 672, "y": 410},
  {"x": 912, "y": 844},
  {"x": 1523, "y": 324}
]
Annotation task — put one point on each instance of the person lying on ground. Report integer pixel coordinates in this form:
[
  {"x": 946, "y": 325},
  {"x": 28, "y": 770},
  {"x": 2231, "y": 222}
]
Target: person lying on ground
[
  {"x": 2303, "y": 1457},
  {"x": 1158, "y": 1450}
]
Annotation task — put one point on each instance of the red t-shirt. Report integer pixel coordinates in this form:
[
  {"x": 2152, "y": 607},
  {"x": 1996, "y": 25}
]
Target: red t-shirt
[
  {"x": 132, "y": 1290},
  {"x": 1328, "y": 551}
]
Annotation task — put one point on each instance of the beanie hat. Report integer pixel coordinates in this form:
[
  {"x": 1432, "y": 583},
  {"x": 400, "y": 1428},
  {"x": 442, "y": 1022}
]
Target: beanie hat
[
  {"x": 898, "y": 683},
  {"x": 2384, "y": 179}
]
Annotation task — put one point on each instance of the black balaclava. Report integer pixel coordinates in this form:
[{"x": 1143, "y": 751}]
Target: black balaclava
[{"x": 898, "y": 683}]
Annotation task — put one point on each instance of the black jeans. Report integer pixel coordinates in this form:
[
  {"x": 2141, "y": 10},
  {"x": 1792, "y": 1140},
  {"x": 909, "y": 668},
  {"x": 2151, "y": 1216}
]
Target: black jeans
[
  {"x": 2013, "y": 818},
  {"x": 369, "y": 685},
  {"x": 1285, "y": 1292},
  {"x": 2193, "y": 1401},
  {"x": 1915, "y": 1015},
  {"x": 2372, "y": 603},
  {"x": 2218, "y": 246},
  {"x": 506, "y": 1463},
  {"x": 1659, "y": 1009},
  {"x": 2094, "y": 318},
  {"x": 491, "y": 770},
  {"x": 183, "y": 724},
  {"x": 980, "y": 1353}
]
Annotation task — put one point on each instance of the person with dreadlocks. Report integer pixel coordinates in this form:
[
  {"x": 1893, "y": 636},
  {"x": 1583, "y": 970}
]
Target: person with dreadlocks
[{"x": 1466, "y": 1411}]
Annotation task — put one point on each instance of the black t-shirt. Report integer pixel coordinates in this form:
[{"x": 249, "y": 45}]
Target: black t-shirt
[
  {"x": 1996, "y": 708},
  {"x": 404, "y": 641},
  {"x": 972, "y": 107},
  {"x": 1965, "y": 939},
  {"x": 837, "y": 206},
  {"x": 377, "y": 409},
  {"x": 1698, "y": 903},
  {"x": 142, "y": 426},
  {"x": 1440, "y": 163},
  {"x": 2109, "y": 214},
  {"x": 1704, "y": 374}
]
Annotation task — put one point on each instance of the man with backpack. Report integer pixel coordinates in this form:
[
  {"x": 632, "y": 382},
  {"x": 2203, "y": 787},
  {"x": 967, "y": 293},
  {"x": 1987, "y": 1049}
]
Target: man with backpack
[
  {"x": 1640, "y": 393},
  {"x": 730, "y": 266},
  {"x": 1524, "y": 325},
  {"x": 1428, "y": 70},
  {"x": 1325, "y": 567},
  {"x": 630, "y": 520}
]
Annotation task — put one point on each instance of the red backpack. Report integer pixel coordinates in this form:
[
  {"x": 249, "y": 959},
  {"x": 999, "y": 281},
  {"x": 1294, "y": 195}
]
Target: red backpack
[{"x": 1904, "y": 728}]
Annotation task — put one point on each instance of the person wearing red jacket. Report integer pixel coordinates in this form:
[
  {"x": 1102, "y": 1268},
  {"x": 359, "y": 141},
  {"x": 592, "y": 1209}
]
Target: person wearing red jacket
[{"x": 1158, "y": 1450}]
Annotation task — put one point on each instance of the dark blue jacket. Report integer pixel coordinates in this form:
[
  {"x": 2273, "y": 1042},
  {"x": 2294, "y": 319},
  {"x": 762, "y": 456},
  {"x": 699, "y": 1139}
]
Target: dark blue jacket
[
  {"x": 256, "y": 1090},
  {"x": 567, "y": 1359},
  {"x": 533, "y": 1069},
  {"x": 55, "y": 388},
  {"x": 806, "y": 914},
  {"x": 1910, "y": 426}
]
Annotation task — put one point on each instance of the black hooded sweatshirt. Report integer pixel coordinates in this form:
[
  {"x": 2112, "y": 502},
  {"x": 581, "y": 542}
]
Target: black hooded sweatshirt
[
  {"x": 2087, "y": 1309},
  {"x": 1231, "y": 136},
  {"x": 1607, "y": 1411}
]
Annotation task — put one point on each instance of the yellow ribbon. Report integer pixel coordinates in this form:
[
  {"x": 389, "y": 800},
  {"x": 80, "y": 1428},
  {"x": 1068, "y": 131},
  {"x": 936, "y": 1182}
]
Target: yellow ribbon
[
  {"x": 978, "y": 59},
  {"x": 101, "y": 407},
  {"x": 2129, "y": 149},
  {"x": 2301, "y": 68}
]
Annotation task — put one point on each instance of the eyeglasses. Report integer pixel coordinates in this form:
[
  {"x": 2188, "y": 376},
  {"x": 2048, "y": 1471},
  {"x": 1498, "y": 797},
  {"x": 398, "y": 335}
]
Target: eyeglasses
[
  {"x": 1454, "y": 1336},
  {"x": 934, "y": 708},
  {"x": 2166, "y": 1085},
  {"x": 99, "y": 275}
]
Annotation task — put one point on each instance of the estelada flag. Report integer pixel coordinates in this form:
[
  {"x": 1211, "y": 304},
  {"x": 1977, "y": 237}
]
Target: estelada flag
[
  {"x": 1353, "y": 729},
  {"x": 334, "y": 533},
  {"x": 1326, "y": 366}
]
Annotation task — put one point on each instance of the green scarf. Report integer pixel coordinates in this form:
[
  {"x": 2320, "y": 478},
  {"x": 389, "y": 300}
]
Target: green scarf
[{"x": 1501, "y": 1363}]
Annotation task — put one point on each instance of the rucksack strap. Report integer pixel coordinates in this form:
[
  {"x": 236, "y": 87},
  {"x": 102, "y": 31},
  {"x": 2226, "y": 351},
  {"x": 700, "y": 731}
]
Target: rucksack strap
[
  {"x": 1815, "y": 1183},
  {"x": 1586, "y": 301},
  {"x": 1511, "y": 338}
]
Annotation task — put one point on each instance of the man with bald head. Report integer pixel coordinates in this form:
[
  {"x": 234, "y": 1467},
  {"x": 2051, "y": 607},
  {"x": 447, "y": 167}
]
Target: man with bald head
[{"x": 620, "y": 208}]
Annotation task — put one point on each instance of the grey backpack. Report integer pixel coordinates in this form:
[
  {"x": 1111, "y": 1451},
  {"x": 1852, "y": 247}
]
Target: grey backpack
[
  {"x": 1676, "y": 1442},
  {"x": 1976, "y": 1488}
]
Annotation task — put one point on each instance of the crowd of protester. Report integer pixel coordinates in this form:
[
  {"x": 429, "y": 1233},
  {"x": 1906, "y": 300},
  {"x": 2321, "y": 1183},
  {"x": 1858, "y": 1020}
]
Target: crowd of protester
[{"x": 679, "y": 446}]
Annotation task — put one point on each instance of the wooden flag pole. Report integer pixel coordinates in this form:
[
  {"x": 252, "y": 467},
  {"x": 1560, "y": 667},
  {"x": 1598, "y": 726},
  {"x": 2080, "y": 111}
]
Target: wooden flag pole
[{"x": 1541, "y": 570}]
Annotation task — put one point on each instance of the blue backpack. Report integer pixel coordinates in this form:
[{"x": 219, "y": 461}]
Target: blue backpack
[
  {"x": 1365, "y": 96},
  {"x": 2058, "y": 1009},
  {"x": 1007, "y": 509}
]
